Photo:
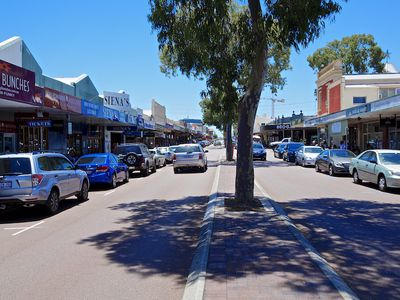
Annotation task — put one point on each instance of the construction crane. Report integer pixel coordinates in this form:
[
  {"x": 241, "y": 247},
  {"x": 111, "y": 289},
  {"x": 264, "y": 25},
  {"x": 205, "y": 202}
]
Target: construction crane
[{"x": 273, "y": 101}]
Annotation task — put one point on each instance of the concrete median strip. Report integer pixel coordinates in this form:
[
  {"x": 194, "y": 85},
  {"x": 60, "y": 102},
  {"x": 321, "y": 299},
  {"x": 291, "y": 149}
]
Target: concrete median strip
[
  {"x": 344, "y": 290},
  {"x": 195, "y": 283}
]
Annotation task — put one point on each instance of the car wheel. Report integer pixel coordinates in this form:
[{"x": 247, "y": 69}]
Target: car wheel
[
  {"x": 165, "y": 163},
  {"x": 84, "y": 193},
  {"x": 331, "y": 171},
  {"x": 356, "y": 178},
  {"x": 53, "y": 202},
  {"x": 317, "y": 169},
  {"x": 113, "y": 183},
  {"x": 131, "y": 159},
  {"x": 126, "y": 176},
  {"x": 382, "y": 185},
  {"x": 146, "y": 171}
]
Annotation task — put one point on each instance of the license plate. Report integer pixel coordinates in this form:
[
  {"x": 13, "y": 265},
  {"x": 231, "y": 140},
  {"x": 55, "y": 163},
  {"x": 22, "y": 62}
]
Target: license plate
[
  {"x": 189, "y": 156},
  {"x": 5, "y": 185}
]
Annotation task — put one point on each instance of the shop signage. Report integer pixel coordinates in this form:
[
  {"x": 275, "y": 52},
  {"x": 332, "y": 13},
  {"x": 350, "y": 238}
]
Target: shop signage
[
  {"x": 38, "y": 98},
  {"x": 149, "y": 125},
  {"x": 387, "y": 122},
  {"x": 111, "y": 114},
  {"x": 283, "y": 126},
  {"x": 148, "y": 134},
  {"x": 90, "y": 108},
  {"x": 133, "y": 133},
  {"x": 16, "y": 83},
  {"x": 169, "y": 126},
  {"x": 386, "y": 103},
  {"x": 358, "y": 110},
  {"x": 121, "y": 128},
  {"x": 118, "y": 101},
  {"x": 59, "y": 100},
  {"x": 140, "y": 121},
  {"x": 39, "y": 123}
]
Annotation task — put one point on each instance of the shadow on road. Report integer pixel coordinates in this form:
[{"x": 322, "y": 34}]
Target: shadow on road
[
  {"x": 19, "y": 214},
  {"x": 361, "y": 239},
  {"x": 158, "y": 236}
]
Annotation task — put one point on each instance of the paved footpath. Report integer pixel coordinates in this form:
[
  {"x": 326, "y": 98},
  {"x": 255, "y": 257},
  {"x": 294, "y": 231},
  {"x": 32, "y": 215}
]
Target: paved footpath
[{"x": 253, "y": 255}]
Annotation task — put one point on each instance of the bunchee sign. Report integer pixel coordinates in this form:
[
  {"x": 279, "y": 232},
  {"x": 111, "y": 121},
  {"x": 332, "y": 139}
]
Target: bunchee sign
[{"x": 16, "y": 83}]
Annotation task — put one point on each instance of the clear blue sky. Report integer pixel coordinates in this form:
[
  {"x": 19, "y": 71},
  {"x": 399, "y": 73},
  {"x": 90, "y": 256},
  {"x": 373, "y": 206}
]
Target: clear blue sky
[{"x": 113, "y": 43}]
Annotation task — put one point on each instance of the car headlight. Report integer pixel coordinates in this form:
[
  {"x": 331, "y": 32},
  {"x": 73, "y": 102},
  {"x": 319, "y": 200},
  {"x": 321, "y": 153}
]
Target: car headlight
[{"x": 338, "y": 164}]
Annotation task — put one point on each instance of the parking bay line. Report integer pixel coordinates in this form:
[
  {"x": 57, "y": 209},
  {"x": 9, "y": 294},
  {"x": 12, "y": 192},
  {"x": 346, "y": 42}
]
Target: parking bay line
[
  {"x": 344, "y": 290},
  {"x": 108, "y": 193},
  {"x": 24, "y": 228}
]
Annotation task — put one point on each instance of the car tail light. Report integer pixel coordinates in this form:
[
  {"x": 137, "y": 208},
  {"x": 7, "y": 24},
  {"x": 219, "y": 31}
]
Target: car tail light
[
  {"x": 174, "y": 157},
  {"x": 36, "y": 179},
  {"x": 102, "y": 169},
  {"x": 201, "y": 156}
]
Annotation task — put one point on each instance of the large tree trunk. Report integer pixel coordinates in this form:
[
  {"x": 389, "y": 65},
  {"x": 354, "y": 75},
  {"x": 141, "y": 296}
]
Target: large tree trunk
[
  {"x": 244, "y": 185},
  {"x": 228, "y": 144}
]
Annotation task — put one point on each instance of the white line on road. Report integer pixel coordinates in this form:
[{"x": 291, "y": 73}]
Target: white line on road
[
  {"x": 14, "y": 228},
  {"x": 195, "y": 283},
  {"x": 27, "y": 228},
  {"x": 108, "y": 193},
  {"x": 344, "y": 290}
]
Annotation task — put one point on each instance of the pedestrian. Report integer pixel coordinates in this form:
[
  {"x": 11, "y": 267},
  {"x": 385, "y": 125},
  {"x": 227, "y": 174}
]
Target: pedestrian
[{"x": 342, "y": 145}]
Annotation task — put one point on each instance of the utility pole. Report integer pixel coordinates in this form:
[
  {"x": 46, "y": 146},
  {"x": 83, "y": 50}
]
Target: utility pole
[{"x": 273, "y": 101}]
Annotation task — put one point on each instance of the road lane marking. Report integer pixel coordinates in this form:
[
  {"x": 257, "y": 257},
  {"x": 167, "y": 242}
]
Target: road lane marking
[
  {"x": 270, "y": 206},
  {"x": 109, "y": 193},
  {"x": 14, "y": 228},
  {"x": 27, "y": 228},
  {"x": 195, "y": 283}
]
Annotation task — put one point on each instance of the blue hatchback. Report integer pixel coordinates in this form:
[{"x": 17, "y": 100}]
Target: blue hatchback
[{"x": 103, "y": 168}]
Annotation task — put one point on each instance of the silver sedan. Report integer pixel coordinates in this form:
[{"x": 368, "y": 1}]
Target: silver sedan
[
  {"x": 190, "y": 156},
  {"x": 306, "y": 155}
]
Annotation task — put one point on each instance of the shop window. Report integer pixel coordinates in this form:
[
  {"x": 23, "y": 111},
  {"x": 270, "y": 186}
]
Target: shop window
[
  {"x": 359, "y": 100},
  {"x": 388, "y": 92}
]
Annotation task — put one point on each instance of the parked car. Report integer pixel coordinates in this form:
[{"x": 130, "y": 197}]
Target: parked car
[
  {"x": 173, "y": 148},
  {"x": 278, "y": 151},
  {"x": 306, "y": 155},
  {"x": 137, "y": 157},
  {"x": 190, "y": 156},
  {"x": 289, "y": 152},
  {"x": 283, "y": 141},
  {"x": 334, "y": 161},
  {"x": 168, "y": 153},
  {"x": 159, "y": 158},
  {"x": 381, "y": 167},
  {"x": 103, "y": 168},
  {"x": 259, "y": 151},
  {"x": 40, "y": 178}
]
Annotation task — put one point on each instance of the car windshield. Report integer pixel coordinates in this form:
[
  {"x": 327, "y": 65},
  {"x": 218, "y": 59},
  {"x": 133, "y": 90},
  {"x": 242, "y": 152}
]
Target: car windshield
[
  {"x": 92, "y": 160},
  {"x": 127, "y": 149},
  {"x": 342, "y": 153},
  {"x": 15, "y": 166},
  {"x": 293, "y": 147},
  {"x": 313, "y": 150},
  {"x": 390, "y": 158},
  {"x": 258, "y": 146},
  {"x": 152, "y": 151},
  {"x": 183, "y": 149},
  {"x": 163, "y": 150}
]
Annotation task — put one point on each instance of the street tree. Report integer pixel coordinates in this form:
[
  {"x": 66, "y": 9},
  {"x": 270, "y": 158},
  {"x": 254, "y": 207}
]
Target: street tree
[
  {"x": 199, "y": 36},
  {"x": 359, "y": 53}
]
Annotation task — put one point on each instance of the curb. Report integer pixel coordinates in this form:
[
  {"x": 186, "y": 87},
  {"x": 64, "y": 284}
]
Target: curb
[
  {"x": 195, "y": 283},
  {"x": 271, "y": 206}
]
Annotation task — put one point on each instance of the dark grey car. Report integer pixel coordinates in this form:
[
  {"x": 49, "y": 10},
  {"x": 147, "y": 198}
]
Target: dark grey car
[
  {"x": 137, "y": 157},
  {"x": 334, "y": 161}
]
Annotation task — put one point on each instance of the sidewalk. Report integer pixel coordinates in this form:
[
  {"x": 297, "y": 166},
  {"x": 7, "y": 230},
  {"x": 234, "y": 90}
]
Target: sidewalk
[{"x": 253, "y": 255}]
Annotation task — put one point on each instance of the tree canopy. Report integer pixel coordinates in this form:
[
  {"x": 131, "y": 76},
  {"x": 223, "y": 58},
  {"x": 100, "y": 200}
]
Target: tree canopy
[
  {"x": 244, "y": 46},
  {"x": 359, "y": 53}
]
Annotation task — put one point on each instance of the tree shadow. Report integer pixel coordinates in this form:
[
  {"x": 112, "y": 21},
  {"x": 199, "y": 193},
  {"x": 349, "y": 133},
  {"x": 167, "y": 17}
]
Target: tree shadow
[
  {"x": 158, "y": 236},
  {"x": 361, "y": 239}
]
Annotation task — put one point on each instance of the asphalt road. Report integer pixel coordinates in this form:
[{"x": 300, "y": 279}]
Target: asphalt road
[
  {"x": 356, "y": 228},
  {"x": 133, "y": 242}
]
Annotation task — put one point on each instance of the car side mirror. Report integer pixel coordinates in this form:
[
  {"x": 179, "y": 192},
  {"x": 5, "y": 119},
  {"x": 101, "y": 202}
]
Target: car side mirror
[{"x": 206, "y": 151}]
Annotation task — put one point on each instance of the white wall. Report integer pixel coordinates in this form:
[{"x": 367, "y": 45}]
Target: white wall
[
  {"x": 347, "y": 98},
  {"x": 11, "y": 51}
]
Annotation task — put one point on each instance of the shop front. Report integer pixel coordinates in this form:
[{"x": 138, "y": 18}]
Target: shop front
[{"x": 7, "y": 137}]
